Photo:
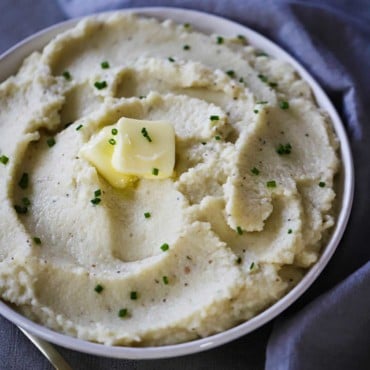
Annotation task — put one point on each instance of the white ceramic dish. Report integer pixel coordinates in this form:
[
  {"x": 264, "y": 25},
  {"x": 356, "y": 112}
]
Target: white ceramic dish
[{"x": 9, "y": 64}]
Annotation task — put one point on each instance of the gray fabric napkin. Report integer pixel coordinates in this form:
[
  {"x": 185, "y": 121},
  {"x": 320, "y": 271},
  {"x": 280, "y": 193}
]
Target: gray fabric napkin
[{"x": 329, "y": 327}]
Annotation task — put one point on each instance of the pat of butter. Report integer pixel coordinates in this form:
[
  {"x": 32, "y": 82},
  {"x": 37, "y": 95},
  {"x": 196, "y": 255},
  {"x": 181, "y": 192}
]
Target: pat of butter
[
  {"x": 130, "y": 149},
  {"x": 98, "y": 151},
  {"x": 144, "y": 148}
]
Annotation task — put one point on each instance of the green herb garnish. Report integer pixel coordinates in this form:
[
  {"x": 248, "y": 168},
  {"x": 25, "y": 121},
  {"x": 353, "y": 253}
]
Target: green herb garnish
[
  {"x": 51, "y": 142},
  {"x": 220, "y": 40},
  {"x": 147, "y": 214},
  {"x": 284, "y": 149},
  {"x": 230, "y": 73},
  {"x": 100, "y": 85},
  {"x": 186, "y": 47},
  {"x": 155, "y": 171},
  {"x": 171, "y": 59},
  {"x": 256, "y": 111},
  {"x": 95, "y": 201},
  {"x": 114, "y": 131},
  {"x": 146, "y": 135},
  {"x": 97, "y": 193},
  {"x": 26, "y": 202},
  {"x": 290, "y": 231},
  {"x": 37, "y": 240},
  {"x": 271, "y": 184},
  {"x": 251, "y": 266},
  {"x": 133, "y": 296},
  {"x": 23, "y": 182},
  {"x": 239, "y": 260},
  {"x": 79, "y": 127},
  {"x": 67, "y": 75},
  {"x": 284, "y": 105},
  {"x": 98, "y": 288},
  {"x": 21, "y": 210},
  {"x": 214, "y": 118},
  {"x": 217, "y": 137},
  {"x": 263, "y": 78},
  {"x": 4, "y": 159},
  {"x": 122, "y": 312},
  {"x": 322, "y": 184},
  {"x": 112, "y": 141},
  {"x": 165, "y": 247},
  {"x": 242, "y": 38},
  {"x": 105, "y": 65},
  {"x": 165, "y": 280},
  {"x": 239, "y": 230},
  {"x": 255, "y": 171}
]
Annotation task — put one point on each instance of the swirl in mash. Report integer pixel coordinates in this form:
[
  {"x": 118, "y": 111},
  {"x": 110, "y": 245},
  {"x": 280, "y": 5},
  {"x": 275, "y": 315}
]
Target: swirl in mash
[{"x": 166, "y": 260}]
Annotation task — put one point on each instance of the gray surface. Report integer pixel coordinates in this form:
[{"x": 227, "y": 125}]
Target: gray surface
[{"x": 329, "y": 327}]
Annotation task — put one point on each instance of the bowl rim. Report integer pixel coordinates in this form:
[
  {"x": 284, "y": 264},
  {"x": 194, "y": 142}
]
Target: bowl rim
[{"x": 207, "y": 23}]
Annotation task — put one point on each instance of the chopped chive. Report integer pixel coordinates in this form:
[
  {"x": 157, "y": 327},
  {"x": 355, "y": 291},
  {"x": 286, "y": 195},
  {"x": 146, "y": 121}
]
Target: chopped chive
[
  {"x": 263, "y": 78},
  {"x": 144, "y": 132},
  {"x": 147, "y": 214},
  {"x": 100, "y": 85},
  {"x": 284, "y": 105},
  {"x": 230, "y": 73},
  {"x": 220, "y": 40},
  {"x": 51, "y": 142},
  {"x": 95, "y": 201},
  {"x": 217, "y": 137},
  {"x": 242, "y": 38},
  {"x": 214, "y": 118},
  {"x": 187, "y": 25},
  {"x": 122, "y": 312},
  {"x": 97, "y": 193},
  {"x": 133, "y": 296},
  {"x": 37, "y": 240},
  {"x": 261, "y": 54},
  {"x": 204, "y": 143},
  {"x": 256, "y": 111},
  {"x": 79, "y": 127},
  {"x": 21, "y": 210},
  {"x": 273, "y": 84},
  {"x": 155, "y": 171},
  {"x": 271, "y": 184},
  {"x": 239, "y": 260},
  {"x": 4, "y": 159},
  {"x": 105, "y": 65},
  {"x": 171, "y": 59},
  {"x": 186, "y": 47},
  {"x": 290, "y": 231},
  {"x": 142, "y": 97},
  {"x": 251, "y": 266},
  {"x": 165, "y": 280},
  {"x": 255, "y": 171},
  {"x": 26, "y": 202},
  {"x": 23, "y": 182},
  {"x": 98, "y": 288},
  {"x": 112, "y": 141},
  {"x": 165, "y": 247},
  {"x": 322, "y": 184},
  {"x": 241, "y": 80},
  {"x": 67, "y": 75},
  {"x": 284, "y": 149},
  {"x": 262, "y": 102},
  {"x": 114, "y": 131},
  {"x": 239, "y": 230}
]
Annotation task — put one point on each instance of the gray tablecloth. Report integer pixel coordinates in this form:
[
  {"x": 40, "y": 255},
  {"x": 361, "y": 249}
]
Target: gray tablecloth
[{"x": 329, "y": 327}]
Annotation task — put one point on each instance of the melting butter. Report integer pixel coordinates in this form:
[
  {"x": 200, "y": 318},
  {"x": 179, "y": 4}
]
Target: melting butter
[{"x": 132, "y": 149}]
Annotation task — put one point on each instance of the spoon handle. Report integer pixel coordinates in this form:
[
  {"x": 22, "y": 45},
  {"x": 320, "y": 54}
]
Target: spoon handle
[{"x": 48, "y": 351}]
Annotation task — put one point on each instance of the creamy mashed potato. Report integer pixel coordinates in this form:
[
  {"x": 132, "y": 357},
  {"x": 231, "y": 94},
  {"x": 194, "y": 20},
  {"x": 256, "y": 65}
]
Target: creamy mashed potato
[{"x": 235, "y": 227}]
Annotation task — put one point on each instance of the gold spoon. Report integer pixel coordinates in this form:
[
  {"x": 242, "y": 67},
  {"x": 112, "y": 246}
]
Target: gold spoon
[{"x": 48, "y": 351}]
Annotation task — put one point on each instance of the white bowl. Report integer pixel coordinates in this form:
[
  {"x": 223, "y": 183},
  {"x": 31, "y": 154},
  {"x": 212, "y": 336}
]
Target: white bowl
[{"x": 9, "y": 64}]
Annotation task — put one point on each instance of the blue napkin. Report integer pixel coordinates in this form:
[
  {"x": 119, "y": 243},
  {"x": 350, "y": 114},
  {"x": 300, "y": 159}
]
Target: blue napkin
[{"x": 329, "y": 326}]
